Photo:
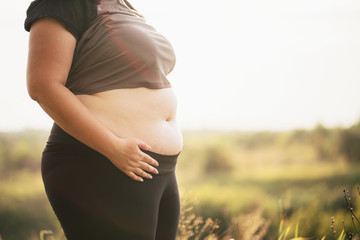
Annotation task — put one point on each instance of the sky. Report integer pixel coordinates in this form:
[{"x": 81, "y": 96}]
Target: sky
[{"x": 241, "y": 65}]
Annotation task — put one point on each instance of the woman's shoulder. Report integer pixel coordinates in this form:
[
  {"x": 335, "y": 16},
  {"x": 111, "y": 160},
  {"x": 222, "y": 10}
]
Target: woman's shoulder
[{"x": 75, "y": 15}]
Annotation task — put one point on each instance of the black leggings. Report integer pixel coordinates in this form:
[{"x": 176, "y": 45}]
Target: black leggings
[{"x": 94, "y": 200}]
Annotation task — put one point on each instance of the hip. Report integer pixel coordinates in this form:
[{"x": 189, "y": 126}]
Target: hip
[{"x": 63, "y": 150}]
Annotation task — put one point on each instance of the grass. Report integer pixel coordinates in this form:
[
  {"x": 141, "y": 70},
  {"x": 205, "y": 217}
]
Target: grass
[
  {"x": 306, "y": 200},
  {"x": 277, "y": 188},
  {"x": 306, "y": 196},
  {"x": 301, "y": 206}
]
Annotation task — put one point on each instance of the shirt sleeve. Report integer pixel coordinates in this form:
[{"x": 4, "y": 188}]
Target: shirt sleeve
[{"x": 74, "y": 15}]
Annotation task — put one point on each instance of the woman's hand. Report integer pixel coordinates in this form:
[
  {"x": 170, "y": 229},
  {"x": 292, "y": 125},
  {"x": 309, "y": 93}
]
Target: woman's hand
[{"x": 127, "y": 156}]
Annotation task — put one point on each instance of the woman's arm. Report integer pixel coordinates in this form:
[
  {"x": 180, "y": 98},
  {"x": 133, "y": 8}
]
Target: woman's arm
[{"x": 51, "y": 49}]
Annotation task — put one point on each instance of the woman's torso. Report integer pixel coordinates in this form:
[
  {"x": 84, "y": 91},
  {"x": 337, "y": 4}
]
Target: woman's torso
[
  {"x": 137, "y": 100},
  {"x": 119, "y": 73}
]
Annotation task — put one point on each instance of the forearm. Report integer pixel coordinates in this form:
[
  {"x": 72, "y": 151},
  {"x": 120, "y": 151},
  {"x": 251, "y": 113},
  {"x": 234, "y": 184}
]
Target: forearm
[{"x": 74, "y": 118}]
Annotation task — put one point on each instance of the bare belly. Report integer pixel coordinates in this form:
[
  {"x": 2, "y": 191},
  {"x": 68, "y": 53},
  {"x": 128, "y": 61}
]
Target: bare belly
[{"x": 146, "y": 114}]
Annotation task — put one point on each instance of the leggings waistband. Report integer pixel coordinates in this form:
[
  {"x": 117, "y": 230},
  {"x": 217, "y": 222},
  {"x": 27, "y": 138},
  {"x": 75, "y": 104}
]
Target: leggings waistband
[{"x": 167, "y": 163}]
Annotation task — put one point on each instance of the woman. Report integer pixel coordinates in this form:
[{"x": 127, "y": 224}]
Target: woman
[{"x": 99, "y": 70}]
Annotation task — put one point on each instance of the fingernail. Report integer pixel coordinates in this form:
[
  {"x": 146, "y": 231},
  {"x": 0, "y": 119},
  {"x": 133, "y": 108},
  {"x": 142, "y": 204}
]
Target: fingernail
[
  {"x": 157, "y": 172},
  {"x": 141, "y": 180},
  {"x": 149, "y": 148}
]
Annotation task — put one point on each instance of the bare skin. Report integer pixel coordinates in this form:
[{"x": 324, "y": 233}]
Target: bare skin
[
  {"x": 116, "y": 123},
  {"x": 142, "y": 113}
]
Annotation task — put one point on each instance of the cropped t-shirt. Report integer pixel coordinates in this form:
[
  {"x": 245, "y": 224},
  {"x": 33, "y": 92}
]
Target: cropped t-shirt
[{"x": 116, "y": 47}]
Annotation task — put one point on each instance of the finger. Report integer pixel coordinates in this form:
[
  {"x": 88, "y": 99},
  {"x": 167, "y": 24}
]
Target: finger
[
  {"x": 143, "y": 145},
  {"x": 146, "y": 158},
  {"x": 142, "y": 173},
  {"x": 146, "y": 167},
  {"x": 135, "y": 177}
]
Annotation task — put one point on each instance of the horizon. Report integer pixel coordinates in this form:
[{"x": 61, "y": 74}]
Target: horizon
[{"x": 209, "y": 130}]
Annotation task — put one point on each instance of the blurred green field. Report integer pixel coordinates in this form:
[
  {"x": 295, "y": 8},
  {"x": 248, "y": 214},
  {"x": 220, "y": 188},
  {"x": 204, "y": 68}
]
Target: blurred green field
[
  {"x": 249, "y": 181},
  {"x": 298, "y": 176}
]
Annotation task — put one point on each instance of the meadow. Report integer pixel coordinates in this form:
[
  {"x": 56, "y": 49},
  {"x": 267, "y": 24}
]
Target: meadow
[{"x": 234, "y": 185}]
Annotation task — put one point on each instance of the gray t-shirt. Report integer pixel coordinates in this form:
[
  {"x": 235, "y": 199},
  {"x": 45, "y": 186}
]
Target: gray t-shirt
[{"x": 116, "y": 47}]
